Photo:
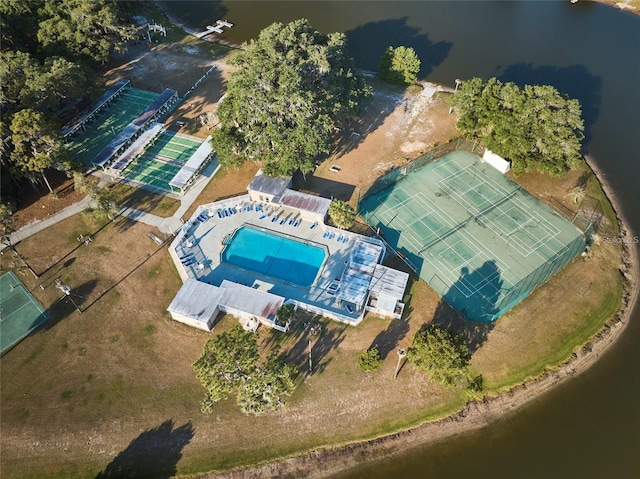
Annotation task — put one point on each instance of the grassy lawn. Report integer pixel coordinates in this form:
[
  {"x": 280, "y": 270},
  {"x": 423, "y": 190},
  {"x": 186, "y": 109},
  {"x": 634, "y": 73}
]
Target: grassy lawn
[
  {"x": 114, "y": 386},
  {"x": 145, "y": 200}
]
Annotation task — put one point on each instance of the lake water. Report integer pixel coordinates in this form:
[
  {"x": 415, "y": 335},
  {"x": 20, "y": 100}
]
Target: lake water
[{"x": 590, "y": 426}]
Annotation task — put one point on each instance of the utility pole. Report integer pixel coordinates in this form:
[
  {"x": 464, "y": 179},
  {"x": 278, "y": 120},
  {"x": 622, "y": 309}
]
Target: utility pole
[
  {"x": 402, "y": 353},
  {"x": 458, "y": 81},
  {"x": 66, "y": 289},
  {"x": 310, "y": 363}
]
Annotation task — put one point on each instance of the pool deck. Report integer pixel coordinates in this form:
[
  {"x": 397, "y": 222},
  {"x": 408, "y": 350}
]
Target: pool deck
[{"x": 202, "y": 241}]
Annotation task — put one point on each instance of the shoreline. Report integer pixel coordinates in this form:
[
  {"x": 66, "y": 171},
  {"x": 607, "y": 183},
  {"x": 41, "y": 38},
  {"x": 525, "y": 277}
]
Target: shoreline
[
  {"x": 191, "y": 31},
  {"x": 328, "y": 460},
  {"x": 475, "y": 415}
]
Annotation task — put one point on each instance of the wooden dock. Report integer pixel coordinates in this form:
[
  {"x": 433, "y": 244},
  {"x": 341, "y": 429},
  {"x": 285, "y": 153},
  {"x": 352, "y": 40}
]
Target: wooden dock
[{"x": 217, "y": 28}]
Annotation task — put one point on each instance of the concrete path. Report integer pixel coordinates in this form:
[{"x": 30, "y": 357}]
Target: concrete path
[{"x": 165, "y": 225}]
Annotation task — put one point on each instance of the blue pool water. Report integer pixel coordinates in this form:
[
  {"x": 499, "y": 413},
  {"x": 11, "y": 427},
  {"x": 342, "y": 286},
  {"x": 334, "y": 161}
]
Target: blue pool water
[{"x": 278, "y": 257}]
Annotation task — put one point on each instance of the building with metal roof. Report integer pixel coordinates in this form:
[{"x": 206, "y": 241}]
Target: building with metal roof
[
  {"x": 267, "y": 189},
  {"x": 196, "y": 304},
  {"x": 198, "y": 161}
]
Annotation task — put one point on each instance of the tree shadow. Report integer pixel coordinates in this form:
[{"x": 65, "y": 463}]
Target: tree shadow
[
  {"x": 574, "y": 81},
  {"x": 123, "y": 223},
  {"x": 322, "y": 337},
  {"x": 471, "y": 316},
  {"x": 323, "y": 186},
  {"x": 153, "y": 454},
  {"x": 28, "y": 192},
  {"x": 387, "y": 340},
  {"x": 372, "y": 39}
]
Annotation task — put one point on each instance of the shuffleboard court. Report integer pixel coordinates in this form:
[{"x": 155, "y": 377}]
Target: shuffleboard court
[
  {"x": 86, "y": 143},
  {"x": 162, "y": 160},
  {"x": 20, "y": 312},
  {"x": 480, "y": 240}
]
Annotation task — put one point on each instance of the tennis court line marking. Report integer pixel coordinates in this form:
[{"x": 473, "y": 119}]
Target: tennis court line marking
[
  {"x": 409, "y": 237},
  {"x": 524, "y": 249},
  {"x": 390, "y": 214}
]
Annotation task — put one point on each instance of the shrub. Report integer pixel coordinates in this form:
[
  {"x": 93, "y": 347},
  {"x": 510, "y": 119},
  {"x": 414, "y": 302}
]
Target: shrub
[
  {"x": 342, "y": 214},
  {"x": 443, "y": 354},
  {"x": 370, "y": 359}
]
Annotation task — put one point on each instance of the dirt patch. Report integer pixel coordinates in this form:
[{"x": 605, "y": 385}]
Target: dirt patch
[
  {"x": 398, "y": 125},
  {"x": 36, "y": 204}
]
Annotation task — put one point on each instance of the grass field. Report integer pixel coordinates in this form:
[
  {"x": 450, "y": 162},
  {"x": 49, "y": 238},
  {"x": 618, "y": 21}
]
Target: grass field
[{"x": 124, "y": 388}]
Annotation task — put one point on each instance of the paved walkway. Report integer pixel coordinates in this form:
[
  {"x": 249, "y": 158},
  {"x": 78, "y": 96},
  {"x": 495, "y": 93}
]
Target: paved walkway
[{"x": 165, "y": 225}]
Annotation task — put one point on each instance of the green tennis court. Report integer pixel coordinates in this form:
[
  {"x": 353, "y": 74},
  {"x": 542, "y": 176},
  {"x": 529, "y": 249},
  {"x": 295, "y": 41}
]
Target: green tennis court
[
  {"x": 162, "y": 160},
  {"x": 20, "y": 312},
  {"x": 479, "y": 239},
  {"x": 122, "y": 110}
]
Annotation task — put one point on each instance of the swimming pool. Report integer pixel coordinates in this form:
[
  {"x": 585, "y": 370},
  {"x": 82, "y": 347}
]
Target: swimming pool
[{"x": 279, "y": 257}]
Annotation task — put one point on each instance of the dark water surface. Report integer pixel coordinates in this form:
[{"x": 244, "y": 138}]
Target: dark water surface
[{"x": 589, "y": 427}]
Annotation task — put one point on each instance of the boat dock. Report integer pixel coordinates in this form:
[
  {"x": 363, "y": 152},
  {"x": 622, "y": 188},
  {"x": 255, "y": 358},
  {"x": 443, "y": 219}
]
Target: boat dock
[{"x": 217, "y": 28}]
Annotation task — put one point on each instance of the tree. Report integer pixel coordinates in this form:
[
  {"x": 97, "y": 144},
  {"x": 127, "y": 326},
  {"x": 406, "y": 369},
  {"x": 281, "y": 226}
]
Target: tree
[
  {"x": 370, "y": 359},
  {"x": 18, "y": 21},
  {"x": 265, "y": 388},
  {"x": 230, "y": 363},
  {"x": 442, "y": 353},
  {"x": 36, "y": 145},
  {"x": 292, "y": 86},
  {"x": 399, "y": 65},
  {"x": 83, "y": 28},
  {"x": 7, "y": 223},
  {"x": 535, "y": 127},
  {"x": 105, "y": 199},
  {"x": 285, "y": 314},
  {"x": 342, "y": 214}
]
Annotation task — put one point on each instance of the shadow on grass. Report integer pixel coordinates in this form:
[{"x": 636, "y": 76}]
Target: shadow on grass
[
  {"x": 474, "y": 334},
  {"x": 153, "y": 454},
  {"x": 387, "y": 340},
  {"x": 84, "y": 241},
  {"x": 106, "y": 291},
  {"x": 316, "y": 335}
]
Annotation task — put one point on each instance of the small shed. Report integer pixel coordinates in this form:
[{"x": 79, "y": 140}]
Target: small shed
[
  {"x": 267, "y": 189},
  {"x": 196, "y": 304}
]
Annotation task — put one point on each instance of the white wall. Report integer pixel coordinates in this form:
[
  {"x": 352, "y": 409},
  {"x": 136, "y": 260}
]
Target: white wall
[{"x": 496, "y": 161}]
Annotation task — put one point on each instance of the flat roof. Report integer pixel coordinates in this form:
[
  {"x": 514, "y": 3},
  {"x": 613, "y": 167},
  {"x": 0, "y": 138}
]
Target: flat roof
[
  {"x": 196, "y": 300},
  {"x": 249, "y": 300},
  {"x": 354, "y": 284},
  {"x": 389, "y": 282},
  {"x": 269, "y": 185},
  {"x": 305, "y": 202},
  {"x": 192, "y": 165},
  {"x": 137, "y": 146}
]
